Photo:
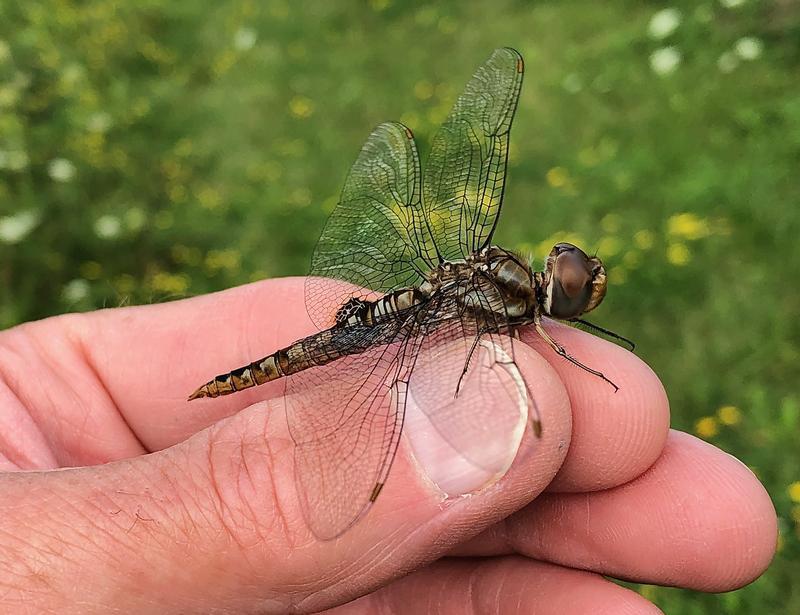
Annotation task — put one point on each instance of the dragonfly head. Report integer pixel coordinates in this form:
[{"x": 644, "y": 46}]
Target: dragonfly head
[{"x": 573, "y": 283}]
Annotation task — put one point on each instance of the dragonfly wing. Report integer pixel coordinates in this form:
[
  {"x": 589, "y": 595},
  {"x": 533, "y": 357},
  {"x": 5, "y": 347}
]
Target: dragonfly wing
[
  {"x": 465, "y": 173},
  {"x": 345, "y": 419},
  {"x": 468, "y": 386},
  {"x": 376, "y": 237}
]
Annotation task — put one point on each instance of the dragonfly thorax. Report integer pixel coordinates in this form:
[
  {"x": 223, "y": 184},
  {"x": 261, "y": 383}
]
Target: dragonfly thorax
[{"x": 491, "y": 280}]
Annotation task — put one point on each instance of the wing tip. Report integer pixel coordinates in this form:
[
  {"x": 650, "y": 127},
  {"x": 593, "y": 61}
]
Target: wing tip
[
  {"x": 516, "y": 56},
  {"x": 394, "y": 125},
  {"x": 376, "y": 491}
]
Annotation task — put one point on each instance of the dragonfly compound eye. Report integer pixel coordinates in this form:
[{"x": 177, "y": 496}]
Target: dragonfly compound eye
[
  {"x": 577, "y": 283},
  {"x": 599, "y": 284}
]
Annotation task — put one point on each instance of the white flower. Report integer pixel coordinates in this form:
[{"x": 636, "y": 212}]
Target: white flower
[
  {"x": 99, "y": 122},
  {"x": 727, "y": 62},
  {"x": 244, "y": 39},
  {"x": 16, "y": 227},
  {"x": 13, "y": 160},
  {"x": 107, "y": 226},
  {"x": 72, "y": 74},
  {"x": 75, "y": 290},
  {"x": 748, "y": 47},
  {"x": 665, "y": 60},
  {"x": 732, "y": 4},
  {"x": 664, "y": 23},
  {"x": 61, "y": 169}
]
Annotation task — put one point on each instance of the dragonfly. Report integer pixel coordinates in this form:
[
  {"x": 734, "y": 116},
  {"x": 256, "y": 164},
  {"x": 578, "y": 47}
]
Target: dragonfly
[{"x": 412, "y": 299}]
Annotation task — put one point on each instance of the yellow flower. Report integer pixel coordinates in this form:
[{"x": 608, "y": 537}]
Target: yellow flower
[
  {"x": 558, "y": 177},
  {"x": 177, "y": 193},
  {"x": 223, "y": 63},
  {"x": 301, "y": 197},
  {"x": 125, "y": 284},
  {"x": 796, "y": 514},
  {"x": 169, "y": 283},
  {"x": 437, "y": 114},
  {"x": 423, "y": 90},
  {"x": 184, "y": 147},
  {"x": 632, "y": 259},
  {"x": 223, "y": 259},
  {"x": 209, "y": 197},
  {"x": 140, "y": 107},
  {"x": 301, "y": 107},
  {"x": 609, "y": 246},
  {"x": 729, "y": 415},
  {"x": 794, "y": 491},
  {"x": 186, "y": 255},
  {"x": 643, "y": 239},
  {"x": 617, "y": 276},
  {"x": 707, "y": 427},
  {"x": 164, "y": 219},
  {"x": 91, "y": 270},
  {"x": 678, "y": 254},
  {"x": 610, "y": 223},
  {"x": 688, "y": 226}
]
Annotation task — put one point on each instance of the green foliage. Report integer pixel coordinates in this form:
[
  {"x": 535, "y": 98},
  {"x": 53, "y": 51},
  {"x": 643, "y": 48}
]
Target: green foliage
[{"x": 156, "y": 149}]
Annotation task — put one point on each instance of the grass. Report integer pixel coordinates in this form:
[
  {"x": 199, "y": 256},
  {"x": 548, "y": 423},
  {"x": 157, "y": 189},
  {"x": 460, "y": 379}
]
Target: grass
[{"x": 155, "y": 150}]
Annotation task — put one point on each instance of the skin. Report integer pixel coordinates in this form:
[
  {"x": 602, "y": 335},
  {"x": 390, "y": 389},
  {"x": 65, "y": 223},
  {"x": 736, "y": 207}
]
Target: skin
[{"x": 208, "y": 521}]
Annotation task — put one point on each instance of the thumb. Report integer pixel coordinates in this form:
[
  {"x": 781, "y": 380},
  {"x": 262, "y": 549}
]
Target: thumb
[{"x": 217, "y": 521}]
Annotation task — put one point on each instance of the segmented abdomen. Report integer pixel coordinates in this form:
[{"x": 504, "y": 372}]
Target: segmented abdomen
[{"x": 379, "y": 323}]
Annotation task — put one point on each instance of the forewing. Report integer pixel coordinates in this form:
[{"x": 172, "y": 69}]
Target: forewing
[
  {"x": 484, "y": 417},
  {"x": 376, "y": 237},
  {"x": 345, "y": 419},
  {"x": 465, "y": 173}
]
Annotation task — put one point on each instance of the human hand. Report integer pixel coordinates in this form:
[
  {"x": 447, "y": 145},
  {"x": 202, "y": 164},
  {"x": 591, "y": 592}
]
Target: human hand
[{"x": 210, "y": 521}]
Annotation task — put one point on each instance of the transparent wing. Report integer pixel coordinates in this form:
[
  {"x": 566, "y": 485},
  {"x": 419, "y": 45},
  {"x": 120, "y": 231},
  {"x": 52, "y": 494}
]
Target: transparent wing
[
  {"x": 466, "y": 382},
  {"x": 376, "y": 236},
  {"x": 345, "y": 419},
  {"x": 465, "y": 173}
]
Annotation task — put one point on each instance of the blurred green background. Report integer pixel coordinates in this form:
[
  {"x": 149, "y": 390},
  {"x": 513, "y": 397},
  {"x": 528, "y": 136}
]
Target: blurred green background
[{"x": 155, "y": 150}]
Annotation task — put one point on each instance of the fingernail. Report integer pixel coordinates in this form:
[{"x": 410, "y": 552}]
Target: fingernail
[{"x": 467, "y": 442}]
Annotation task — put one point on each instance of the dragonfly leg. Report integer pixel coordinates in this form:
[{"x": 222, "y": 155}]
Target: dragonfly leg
[
  {"x": 598, "y": 329},
  {"x": 563, "y": 353},
  {"x": 469, "y": 358}
]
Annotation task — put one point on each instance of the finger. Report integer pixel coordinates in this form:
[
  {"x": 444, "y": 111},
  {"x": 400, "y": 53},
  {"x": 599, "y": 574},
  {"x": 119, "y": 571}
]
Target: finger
[
  {"x": 616, "y": 435},
  {"x": 698, "y": 518},
  {"x": 88, "y": 388},
  {"x": 202, "y": 524},
  {"x": 500, "y": 585}
]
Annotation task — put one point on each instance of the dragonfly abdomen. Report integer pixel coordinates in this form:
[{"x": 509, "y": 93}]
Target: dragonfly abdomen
[
  {"x": 318, "y": 349},
  {"x": 357, "y": 311},
  {"x": 257, "y": 372}
]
